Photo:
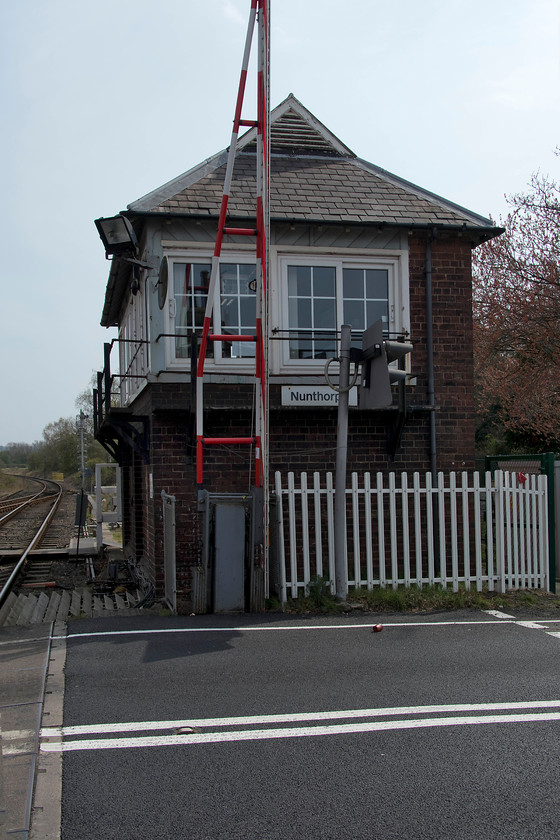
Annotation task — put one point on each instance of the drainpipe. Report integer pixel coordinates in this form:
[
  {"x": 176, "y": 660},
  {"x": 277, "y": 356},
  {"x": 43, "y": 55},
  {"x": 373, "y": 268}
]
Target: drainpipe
[{"x": 430, "y": 350}]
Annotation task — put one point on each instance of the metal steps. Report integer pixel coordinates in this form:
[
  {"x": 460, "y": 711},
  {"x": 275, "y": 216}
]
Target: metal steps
[{"x": 43, "y": 607}]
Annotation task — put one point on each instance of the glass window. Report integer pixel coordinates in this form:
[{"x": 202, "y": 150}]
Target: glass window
[
  {"x": 237, "y": 308},
  {"x": 321, "y": 298},
  {"x": 312, "y": 311},
  {"x": 190, "y": 290},
  {"x": 236, "y": 312}
]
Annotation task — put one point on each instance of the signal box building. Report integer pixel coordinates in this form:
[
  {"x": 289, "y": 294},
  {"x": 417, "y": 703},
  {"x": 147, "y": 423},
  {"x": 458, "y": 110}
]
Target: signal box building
[{"x": 349, "y": 244}]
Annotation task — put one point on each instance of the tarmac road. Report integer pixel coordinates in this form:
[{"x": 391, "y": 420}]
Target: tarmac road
[{"x": 443, "y": 727}]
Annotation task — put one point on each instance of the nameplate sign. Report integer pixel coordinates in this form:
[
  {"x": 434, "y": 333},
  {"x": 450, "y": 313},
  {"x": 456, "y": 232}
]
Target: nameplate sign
[{"x": 316, "y": 396}]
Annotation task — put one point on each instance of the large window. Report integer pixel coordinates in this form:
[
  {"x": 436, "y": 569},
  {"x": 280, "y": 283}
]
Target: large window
[
  {"x": 310, "y": 297},
  {"x": 233, "y": 312},
  {"x": 321, "y": 297}
]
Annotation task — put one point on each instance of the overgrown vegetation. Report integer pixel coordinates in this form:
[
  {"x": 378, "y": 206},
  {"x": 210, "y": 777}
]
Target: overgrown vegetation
[
  {"x": 10, "y": 484},
  {"x": 415, "y": 599},
  {"x": 60, "y": 449},
  {"x": 516, "y": 299}
]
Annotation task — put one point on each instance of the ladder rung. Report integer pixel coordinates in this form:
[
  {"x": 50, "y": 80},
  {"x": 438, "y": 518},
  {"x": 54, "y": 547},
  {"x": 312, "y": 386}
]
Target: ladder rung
[
  {"x": 242, "y": 441},
  {"x": 252, "y": 123},
  {"x": 240, "y": 231},
  {"x": 232, "y": 338}
]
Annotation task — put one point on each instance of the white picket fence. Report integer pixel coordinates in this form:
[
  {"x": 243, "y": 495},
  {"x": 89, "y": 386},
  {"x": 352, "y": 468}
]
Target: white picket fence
[{"x": 490, "y": 534}]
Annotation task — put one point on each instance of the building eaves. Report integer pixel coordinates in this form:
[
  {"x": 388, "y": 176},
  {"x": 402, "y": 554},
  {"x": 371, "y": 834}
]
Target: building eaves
[
  {"x": 152, "y": 200},
  {"x": 119, "y": 278}
]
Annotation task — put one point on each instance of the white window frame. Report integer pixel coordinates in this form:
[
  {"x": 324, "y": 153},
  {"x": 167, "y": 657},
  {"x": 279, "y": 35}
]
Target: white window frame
[
  {"x": 396, "y": 262},
  {"x": 133, "y": 347},
  {"x": 213, "y": 363}
]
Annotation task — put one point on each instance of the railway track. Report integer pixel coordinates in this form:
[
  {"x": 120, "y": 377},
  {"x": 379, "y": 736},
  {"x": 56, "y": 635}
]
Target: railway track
[
  {"x": 23, "y": 528},
  {"x": 40, "y": 580}
]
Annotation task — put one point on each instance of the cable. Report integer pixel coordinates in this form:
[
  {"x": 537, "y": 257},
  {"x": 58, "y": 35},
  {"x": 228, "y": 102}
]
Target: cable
[{"x": 335, "y": 387}]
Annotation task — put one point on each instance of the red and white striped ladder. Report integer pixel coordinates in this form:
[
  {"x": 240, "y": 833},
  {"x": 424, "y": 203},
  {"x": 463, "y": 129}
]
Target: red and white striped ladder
[{"x": 260, "y": 438}]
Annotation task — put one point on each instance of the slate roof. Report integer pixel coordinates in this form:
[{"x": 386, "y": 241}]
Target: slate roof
[{"x": 314, "y": 178}]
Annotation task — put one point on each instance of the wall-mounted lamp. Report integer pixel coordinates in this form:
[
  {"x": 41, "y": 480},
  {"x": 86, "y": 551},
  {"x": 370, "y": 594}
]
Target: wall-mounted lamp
[
  {"x": 117, "y": 235},
  {"x": 119, "y": 239}
]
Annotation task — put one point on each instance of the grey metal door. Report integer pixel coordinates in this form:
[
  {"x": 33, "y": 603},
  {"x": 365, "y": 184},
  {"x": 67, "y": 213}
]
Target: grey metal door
[{"x": 229, "y": 557}]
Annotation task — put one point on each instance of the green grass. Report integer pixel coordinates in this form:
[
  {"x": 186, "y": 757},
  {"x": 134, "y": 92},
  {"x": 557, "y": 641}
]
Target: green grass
[
  {"x": 10, "y": 484},
  {"x": 415, "y": 600}
]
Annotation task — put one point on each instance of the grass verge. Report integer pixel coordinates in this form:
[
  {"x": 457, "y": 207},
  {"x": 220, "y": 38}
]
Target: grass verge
[{"x": 415, "y": 599}]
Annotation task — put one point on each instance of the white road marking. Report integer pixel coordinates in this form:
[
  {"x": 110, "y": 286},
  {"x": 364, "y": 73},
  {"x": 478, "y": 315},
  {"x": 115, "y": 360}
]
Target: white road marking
[
  {"x": 280, "y": 628},
  {"x": 533, "y": 625},
  {"x": 299, "y": 732},
  {"x": 502, "y": 619},
  {"x": 17, "y": 741},
  {"x": 251, "y": 720}
]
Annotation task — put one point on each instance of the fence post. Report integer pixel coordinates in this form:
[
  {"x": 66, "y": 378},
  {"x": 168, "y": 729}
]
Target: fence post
[
  {"x": 500, "y": 552},
  {"x": 547, "y": 466},
  {"x": 340, "y": 559},
  {"x": 280, "y": 537}
]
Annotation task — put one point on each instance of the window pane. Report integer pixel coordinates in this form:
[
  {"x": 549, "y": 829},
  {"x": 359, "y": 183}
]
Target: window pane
[
  {"x": 324, "y": 346},
  {"x": 301, "y": 349},
  {"x": 230, "y": 317},
  {"x": 324, "y": 281},
  {"x": 240, "y": 350},
  {"x": 229, "y": 280},
  {"x": 300, "y": 314},
  {"x": 299, "y": 280},
  {"x": 354, "y": 314},
  {"x": 377, "y": 309},
  {"x": 353, "y": 283},
  {"x": 324, "y": 313},
  {"x": 247, "y": 308},
  {"x": 377, "y": 283},
  {"x": 247, "y": 275}
]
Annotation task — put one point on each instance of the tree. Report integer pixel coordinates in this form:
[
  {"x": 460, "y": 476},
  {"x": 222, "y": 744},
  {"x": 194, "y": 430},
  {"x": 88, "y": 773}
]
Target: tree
[
  {"x": 15, "y": 454},
  {"x": 516, "y": 291},
  {"x": 58, "y": 451}
]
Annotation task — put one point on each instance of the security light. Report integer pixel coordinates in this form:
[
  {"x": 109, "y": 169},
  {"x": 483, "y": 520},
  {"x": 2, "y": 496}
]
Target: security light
[{"x": 117, "y": 235}]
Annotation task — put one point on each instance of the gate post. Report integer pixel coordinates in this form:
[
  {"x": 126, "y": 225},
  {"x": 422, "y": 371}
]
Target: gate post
[{"x": 169, "y": 558}]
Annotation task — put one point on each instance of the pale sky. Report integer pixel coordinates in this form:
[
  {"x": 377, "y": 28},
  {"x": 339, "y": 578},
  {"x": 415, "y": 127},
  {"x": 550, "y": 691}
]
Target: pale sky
[{"x": 104, "y": 102}]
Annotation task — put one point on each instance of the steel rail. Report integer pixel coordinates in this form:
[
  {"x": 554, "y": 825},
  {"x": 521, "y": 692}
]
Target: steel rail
[
  {"x": 4, "y": 592},
  {"x": 31, "y": 500},
  {"x": 16, "y": 504}
]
